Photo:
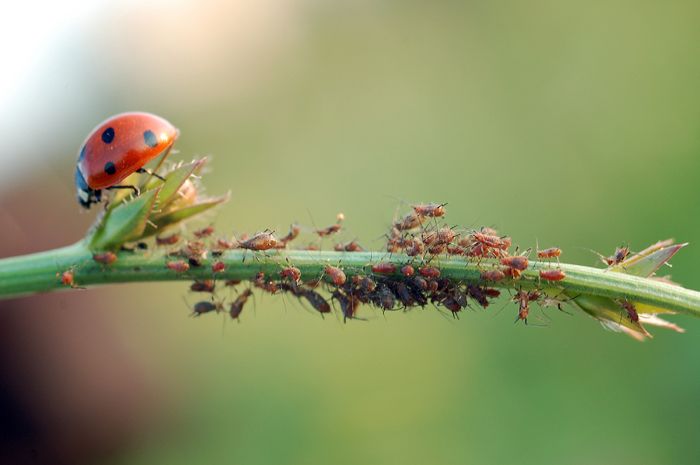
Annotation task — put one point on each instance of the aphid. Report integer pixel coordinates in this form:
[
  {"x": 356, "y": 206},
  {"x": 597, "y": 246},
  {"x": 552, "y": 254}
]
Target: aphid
[
  {"x": 332, "y": 229},
  {"x": 437, "y": 248},
  {"x": 261, "y": 241},
  {"x": 365, "y": 284},
  {"x": 168, "y": 240},
  {"x": 492, "y": 275},
  {"x": 384, "y": 268},
  {"x": 456, "y": 250},
  {"x": 232, "y": 282},
  {"x": 429, "y": 272},
  {"x": 552, "y": 252},
  {"x": 630, "y": 309},
  {"x": 446, "y": 235},
  {"x": 348, "y": 304},
  {"x": 204, "y": 232},
  {"x": 511, "y": 273},
  {"x": 317, "y": 301},
  {"x": 206, "y": 285},
  {"x": 415, "y": 247},
  {"x": 478, "y": 293},
  {"x": 523, "y": 298},
  {"x": 118, "y": 147},
  {"x": 292, "y": 273},
  {"x": 105, "y": 258},
  {"x": 493, "y": 293},
  {"x": 67, "y": 278},
  {"x": 618, "y": 257},
  {"x": 351, "y": 246},
  {"x": 336, "y": 275},
  {"x": 517, "y": 262},
  {"x": 410, "y": 221},
  {"x": 179, "y": 266},
  {"x": 432, "y": 210},
  {"x": 452, "y": 305},
  {"x": 225, "y": 244},
  {"x": 403, "y": 294},
  {"x": 205, "y": 306},
  {"x": 237, "y": 305},
  {"x": 495, "y": 242},
  {"x": 383, "y": 297},
  {"x": 218, "y": 267},
  {"x": 294, "y": 230},
  {"x": 196, "y": 252},
  {"x": 552, "y": 275},
  {"x": 420, "y": 283},
  {"x": 407, "y": 271}
]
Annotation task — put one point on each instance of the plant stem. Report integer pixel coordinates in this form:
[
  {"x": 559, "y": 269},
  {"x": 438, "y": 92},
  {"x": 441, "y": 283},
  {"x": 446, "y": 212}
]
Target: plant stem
[{"x": 38, "y": 273}]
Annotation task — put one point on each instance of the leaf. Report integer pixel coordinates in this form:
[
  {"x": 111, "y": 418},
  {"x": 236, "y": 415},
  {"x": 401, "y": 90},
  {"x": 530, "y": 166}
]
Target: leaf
[
  {"x": 123, "y": 223},
  {"x": 607, "y": 310},
  {"x": 162, "y": 221},
  {"x": 175, "y": 179},
  {"x": 647, "y": 262}
]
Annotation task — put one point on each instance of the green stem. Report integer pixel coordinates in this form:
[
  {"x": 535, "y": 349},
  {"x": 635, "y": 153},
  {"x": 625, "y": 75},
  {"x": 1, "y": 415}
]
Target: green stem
[{"x": 38, "y": 273}]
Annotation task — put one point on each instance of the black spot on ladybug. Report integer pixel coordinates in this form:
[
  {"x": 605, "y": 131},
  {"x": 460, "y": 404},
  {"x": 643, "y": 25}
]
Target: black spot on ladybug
[
  {"x": 150, "y": 138},
  {"x": 110, "y": 168},
  {"x": 108, "y": 135}
]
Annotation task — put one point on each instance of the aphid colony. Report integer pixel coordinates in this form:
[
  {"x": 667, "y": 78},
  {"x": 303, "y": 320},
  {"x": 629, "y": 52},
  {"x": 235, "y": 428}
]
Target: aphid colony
[{"x": 387, "y": 285}]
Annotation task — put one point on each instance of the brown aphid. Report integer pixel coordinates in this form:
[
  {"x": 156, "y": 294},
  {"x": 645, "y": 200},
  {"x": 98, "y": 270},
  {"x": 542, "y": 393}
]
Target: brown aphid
[
  {"x": 206, "y": 285},
  {"x": 420, "y": 283},
  {"x": 437, "y": 248},
  {"x": 105, "y": 258},
  {"x": 332, "y": 229},
  {"x": 168, "y": 240},
  {"x": 232, "y": 282},
  {"x": 517, "y": 262},
  {"x": 204, "y": 232},
  {"x": 630, "y": 309},
  {"x": 621, "y": 253},
  {"x": 407, "y": 271},
  {"x": 552, "y": 275},
  {"x": 495, "y": 242},
  {"x": 317, "y": 301},
  {"x": 433, "y": 210},
  {"x": 512, "y": 273},
  {"x": 429, "y": 272},
  {"x": 294, "y": 230},
  {"x": 225, "y": 244},
  {"x": 205, "y": 306},
  {"x": 452, "y": 305},
  {"x": 408, "y": 222},
  {"x": 237, "y": 305},
  {"x": 218, "y": 267},
  {"x": 265, "y": 240},
  {"x": 364, "y": 283},
  {"x": 456, "y": 250},
  {"x": 352, "y": 246},
  {"x": 336, "y": 275},
  {"x": 415, "y": 247},
  {"x": 348, "y": 304},
  {"x": 67, "y": 278},
  {"x": 384, "y": 268},
  {"x": 196, "y": 252},
  {"x": 179, "y": 266},
  {"x": 292, "y": 273},
  {"x": 552, "y": 252},
  {"x": 384, "y": 298},
  {"x": 493, "y": 275},
  {"x": 446, "y": 235},
  {"x": 493, "y": 293},
  {"x": 523, "y": 298}
]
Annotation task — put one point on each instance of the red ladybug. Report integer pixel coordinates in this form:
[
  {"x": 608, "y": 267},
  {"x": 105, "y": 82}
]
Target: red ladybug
[{"x": 118, "y": 147}]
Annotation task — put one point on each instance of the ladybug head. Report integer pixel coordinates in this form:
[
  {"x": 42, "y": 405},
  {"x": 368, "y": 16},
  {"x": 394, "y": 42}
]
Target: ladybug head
[{"x": 86, "y": 195}]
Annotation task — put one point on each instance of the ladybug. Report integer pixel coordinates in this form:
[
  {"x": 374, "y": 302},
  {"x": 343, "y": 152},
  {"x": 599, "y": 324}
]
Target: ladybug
[{"x": 118, "y": 147}]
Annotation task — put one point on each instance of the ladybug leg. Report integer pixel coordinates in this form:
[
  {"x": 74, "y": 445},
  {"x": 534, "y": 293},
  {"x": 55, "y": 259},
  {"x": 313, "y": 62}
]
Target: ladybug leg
[
  {"x": 151, "y": 173},
  {"x": 133, "y": 188}
]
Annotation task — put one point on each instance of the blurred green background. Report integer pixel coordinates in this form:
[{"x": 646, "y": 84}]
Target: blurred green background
[{"x": 574, "y": 124}]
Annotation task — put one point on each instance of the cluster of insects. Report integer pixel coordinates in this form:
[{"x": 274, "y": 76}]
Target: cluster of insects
[{"x": 125, "y": 143}]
